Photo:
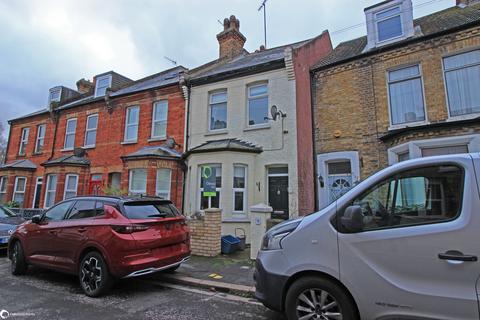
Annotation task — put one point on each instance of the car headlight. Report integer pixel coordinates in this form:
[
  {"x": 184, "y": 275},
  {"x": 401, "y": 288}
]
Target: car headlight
[{"x": 273, "y": 238}]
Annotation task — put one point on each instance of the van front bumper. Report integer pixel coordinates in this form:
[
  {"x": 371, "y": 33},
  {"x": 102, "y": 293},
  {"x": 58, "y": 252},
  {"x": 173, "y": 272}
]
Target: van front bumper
[{"x": 269, "y": 287}]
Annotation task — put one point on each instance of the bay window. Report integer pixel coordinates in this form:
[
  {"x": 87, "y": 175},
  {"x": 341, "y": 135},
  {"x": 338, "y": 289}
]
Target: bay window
[
  {"x": 239, "y": 189},
  {"x": 19, "y": 190},
  {"x": 3, "y": 189},
  {"x": 163, "y": 183},
  {"x": 137, "y": 184},
  {"x": 210, "y": 201},
  {"x": 71, "y": 186},
  {"x": 51, "y": 190}
]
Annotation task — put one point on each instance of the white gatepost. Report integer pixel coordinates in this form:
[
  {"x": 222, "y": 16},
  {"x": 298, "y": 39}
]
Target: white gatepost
[{"x": 259, "y": 214}]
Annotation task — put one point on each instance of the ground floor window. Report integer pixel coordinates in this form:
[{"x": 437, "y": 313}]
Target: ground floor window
[
  {"x": 114, "y": 180},
  {"x": 71, "y": 186},
  {"x": 239, "y": 188},
  {"x": 210, "y": 175},
  {"x": 51, "y": 190},
  {"x": 137, "y": 182},
  {"x": 19, "y": 190},
  {"x": 278, "y": 191},
  {"x": 3, "y": 189},
  {"x": 164, "y": 177}
]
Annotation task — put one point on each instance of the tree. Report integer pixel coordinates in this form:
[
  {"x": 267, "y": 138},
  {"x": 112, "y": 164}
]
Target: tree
[{"x": 3, "y": 143}]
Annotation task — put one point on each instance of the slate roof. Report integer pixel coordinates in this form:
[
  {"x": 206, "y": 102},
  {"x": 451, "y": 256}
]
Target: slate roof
[
  {"x": 19, "y": 164},
  {"x": 244, "y": 61},
  {"x": 441, "y": 21},
  {"x": 68, "y": 160},
  {"x": 156, "y": 151},
  {"x": 226, "y": 145}
]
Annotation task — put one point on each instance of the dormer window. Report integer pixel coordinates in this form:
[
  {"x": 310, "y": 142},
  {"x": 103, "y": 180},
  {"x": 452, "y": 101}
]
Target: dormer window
[
  {"x": 101, "y": 85},
  {"x": 388, "y": 22},
  {"x": 55, "y": 95}
]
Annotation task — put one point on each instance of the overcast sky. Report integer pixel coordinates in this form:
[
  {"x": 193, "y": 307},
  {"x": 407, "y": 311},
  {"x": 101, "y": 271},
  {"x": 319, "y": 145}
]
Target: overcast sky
[{"x": 45, "y": 43}]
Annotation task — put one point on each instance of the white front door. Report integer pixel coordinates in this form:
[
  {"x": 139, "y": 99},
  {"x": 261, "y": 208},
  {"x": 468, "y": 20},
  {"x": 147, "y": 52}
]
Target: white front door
[{"x": 337, "y": 172}]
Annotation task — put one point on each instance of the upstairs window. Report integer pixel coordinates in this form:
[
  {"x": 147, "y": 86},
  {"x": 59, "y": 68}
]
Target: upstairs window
[
  {"x": 131, "y": 124},
  {"x": 23, "y": 141},
  {"x": 70, "y": 129},
  {"x": 55, "y": 95},
  {"x": 40, "y": 141},
  {"x": 91, "y": 131},
  {"x": 101, "y": 85},
  {"x": 159, "y": 119},
  {"x": 218, "y": 110},
  {"x": 462, "y": 77},
  {"x": 257, "y": 104},
  {"x": 389, "y": 24},
  {"x": 406, "y": 95}
]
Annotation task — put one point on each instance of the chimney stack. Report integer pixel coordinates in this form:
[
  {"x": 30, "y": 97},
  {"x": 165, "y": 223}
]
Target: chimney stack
[
  {"x": 466, "y": 3},
  {"x": 84, "y": 86},
  {"x": 231, "y": 40}
]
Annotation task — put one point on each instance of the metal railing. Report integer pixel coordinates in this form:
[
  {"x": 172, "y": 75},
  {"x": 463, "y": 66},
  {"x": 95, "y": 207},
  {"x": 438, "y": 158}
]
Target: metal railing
[{"x": 26, "y": 213}]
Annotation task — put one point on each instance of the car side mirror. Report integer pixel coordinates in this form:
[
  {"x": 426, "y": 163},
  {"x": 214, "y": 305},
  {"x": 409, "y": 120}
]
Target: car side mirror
[
  {"x": 36, "y": 219},
  {"x": 352, "y": 219}
]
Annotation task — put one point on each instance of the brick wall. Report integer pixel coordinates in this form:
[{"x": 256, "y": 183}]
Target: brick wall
[
  {"x": 206, "y": 233},
  {"x": 351, "y": 100}
]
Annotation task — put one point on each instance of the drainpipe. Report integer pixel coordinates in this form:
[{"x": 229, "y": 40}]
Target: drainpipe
[
  {"x": 315, "y": 173},
  {"x": 186, "y": 93},
  {"x": 55, "y": 115},
  {"x": 8, "y": 141}
]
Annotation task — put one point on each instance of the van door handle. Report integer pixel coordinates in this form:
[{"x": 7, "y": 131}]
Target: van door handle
[{"x": 457, "y": 256}]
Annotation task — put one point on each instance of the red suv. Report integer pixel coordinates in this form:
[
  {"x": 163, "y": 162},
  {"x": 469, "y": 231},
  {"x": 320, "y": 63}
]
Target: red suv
[{"x": 101, "y": 239}]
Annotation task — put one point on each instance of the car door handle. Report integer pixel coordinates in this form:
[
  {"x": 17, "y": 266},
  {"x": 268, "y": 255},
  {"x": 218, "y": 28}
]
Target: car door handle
[
  {"x": 457, "y": 256},
  {"x": 54, "y": 232},
  {"x": 81, "y": 230}
]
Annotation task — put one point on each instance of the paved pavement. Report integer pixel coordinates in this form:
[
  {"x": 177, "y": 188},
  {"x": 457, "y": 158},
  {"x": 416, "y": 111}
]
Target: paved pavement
[{"x": 49, "y": 295}]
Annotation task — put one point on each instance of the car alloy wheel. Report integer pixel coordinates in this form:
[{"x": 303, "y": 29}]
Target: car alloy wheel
[
  {"x": 91, "y": 275},
  {"x": 317, "y": 304},
  {"x": 15, "y": 256}
]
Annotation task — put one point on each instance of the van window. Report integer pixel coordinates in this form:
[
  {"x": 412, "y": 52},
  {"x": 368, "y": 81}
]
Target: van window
[
  {"x": 417, "y": 196},
  {"x": 150, "y": 210}
]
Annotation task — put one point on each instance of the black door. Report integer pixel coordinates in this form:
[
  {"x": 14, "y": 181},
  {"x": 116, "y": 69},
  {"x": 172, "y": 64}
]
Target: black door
[
  {"x": 278, "y": 196},
  {"x": 38, "y": 193}
]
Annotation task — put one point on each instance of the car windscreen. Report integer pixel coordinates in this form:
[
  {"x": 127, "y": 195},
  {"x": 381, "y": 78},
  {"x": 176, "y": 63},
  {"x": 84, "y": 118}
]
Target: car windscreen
[
  {"x": 5, "y": 213},
  {"x": 150, "y": 210}
]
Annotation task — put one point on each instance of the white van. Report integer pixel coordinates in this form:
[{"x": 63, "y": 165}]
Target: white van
[{"x": 403, "y": 244}]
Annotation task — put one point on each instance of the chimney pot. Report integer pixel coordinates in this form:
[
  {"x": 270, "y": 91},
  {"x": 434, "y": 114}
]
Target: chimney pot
[
  {"x": 84, "y": 86},
  {"x": 230, "y": 40}
]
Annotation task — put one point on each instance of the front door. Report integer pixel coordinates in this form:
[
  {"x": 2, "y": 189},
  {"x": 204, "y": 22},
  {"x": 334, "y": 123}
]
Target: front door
[
  {"x": 337, "y": 172},
  {"x": 38, "y": 193},
  {"x": 278, "y": 191},
  {"x": 417, "y": 253}
]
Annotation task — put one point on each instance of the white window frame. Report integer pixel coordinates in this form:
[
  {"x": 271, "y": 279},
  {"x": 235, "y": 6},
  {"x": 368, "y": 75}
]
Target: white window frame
[
  {"x": 67, "y": 133},
  {"x": 199, "y": 202},
  {"x": 49, "y": 191},
  {"x": 24, "y": 141},
  {"x": 38, "y": 182},
  {"x": 66, "y": 185},
  {"x": 3, "y": 187},
  {"x": 243, "y": 190},
  {"x": 127, "y": 125},
  {"x": 15, "y": 191},
  {"x": 160, "y": 103},
  {"x": 100, "y": 78},
  {"x": 51, "y": 92},
  {"x": 164, "y": 191},
  {"x": 444, "y": 70},
  {"x": 212, "y": 104},
  {"x": 377, "y": 20},
  {"x": 414, "y": 148},
  {"x": 87, "y": 131},
  {"x": 40, "y": 138},
  {"x": 130, "y": 180},
  {"x": 249, "y": 87},
  {"x": 420, "y": 76}
]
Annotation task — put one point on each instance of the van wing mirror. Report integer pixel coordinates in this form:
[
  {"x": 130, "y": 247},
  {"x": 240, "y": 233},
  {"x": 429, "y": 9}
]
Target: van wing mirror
[
  {"x": 36, "y": 219},
  {"x": 352, "y": 219}
]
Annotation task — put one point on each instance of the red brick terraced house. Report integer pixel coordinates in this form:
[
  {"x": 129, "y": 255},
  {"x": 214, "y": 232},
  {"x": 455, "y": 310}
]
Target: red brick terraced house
[{"x": 110, "y": 136}]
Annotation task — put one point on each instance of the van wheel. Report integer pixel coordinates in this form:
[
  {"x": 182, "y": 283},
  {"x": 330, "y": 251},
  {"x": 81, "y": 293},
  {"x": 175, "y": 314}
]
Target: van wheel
[
  {"x": 19, "y": 265},
  {"x": 94, "y": 277},
  {"x": 318, "y": 298}
]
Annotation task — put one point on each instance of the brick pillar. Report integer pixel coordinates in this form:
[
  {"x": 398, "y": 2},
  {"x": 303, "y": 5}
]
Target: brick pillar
[{"x": 206, "y": 234}]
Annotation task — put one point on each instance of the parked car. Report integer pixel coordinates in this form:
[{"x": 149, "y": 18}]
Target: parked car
[
  {"x": 101, "y": 239},
  {"x": 403, "y": 244},
  {"x": 9, "y": 221}
]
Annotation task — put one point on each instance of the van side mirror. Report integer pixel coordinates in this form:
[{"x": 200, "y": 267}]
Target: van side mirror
[
  {"x": 36, "y": 219},
  {"x": 352, "y": 219}
]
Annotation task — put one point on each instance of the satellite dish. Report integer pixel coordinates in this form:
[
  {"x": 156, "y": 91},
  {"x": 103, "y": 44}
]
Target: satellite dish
[{"x": 274, "y": 112}]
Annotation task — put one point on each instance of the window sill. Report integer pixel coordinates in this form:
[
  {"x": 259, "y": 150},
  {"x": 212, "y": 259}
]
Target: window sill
[
  {"x": 66, "y": 149},
  {"x": 463, "y": 117},
  {"x": 129, "y": 142},
  {"x": 407, "y": 125},
  {"x": 153, "y": 139},
  {"x": 36, "y": 154},
  {"x": 258, "y": 127},
  {"x": 216, "y": 132},
  {"x": 88, "y": 147}
]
